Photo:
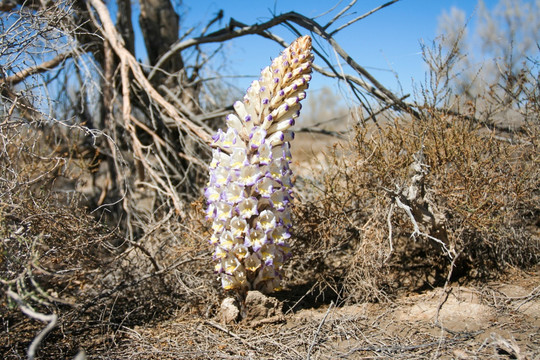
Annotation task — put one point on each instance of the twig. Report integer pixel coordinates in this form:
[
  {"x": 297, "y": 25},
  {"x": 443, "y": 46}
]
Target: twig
[
  {"x": 339, "y": 14},
  {"x": 533, "y": 294},
  {"x": 447, "y": 292},
  {"x": 444, "y": 299},
  {"x": 50, "y": 319},
  {"x": 416, "y": 231},
  {"x": 373, "y": 116},
  {"x": 218, "y": 17},
  {"x": 318, "y": 330},
  {"x": 34, "y": 70},
  {"x": 389, "y": 221},
  {"x": 361, "y": 17},
  {"x": 228, "y": 332},
  {"x": 302, "y": 298},
  {"x": 313, "y": 130}
]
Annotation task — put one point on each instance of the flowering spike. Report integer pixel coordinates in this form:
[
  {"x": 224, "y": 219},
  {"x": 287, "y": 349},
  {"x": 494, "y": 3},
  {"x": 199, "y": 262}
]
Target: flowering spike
[{"x": 249, "y": 191}]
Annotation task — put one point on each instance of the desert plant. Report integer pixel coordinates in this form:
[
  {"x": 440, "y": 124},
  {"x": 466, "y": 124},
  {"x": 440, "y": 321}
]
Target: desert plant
[{"x": 249, "y": 192}]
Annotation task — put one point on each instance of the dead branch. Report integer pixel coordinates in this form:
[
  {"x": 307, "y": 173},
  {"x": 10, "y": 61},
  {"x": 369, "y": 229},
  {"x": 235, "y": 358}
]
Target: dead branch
[
  {"x": 419, "y": 209},
  {"x": 359, "y": 17},
  {"x": 316, "y": 334},
  {"x": 128, "y": 65},
  {"x": 416, "y": 231},
  {"x": 237, "y": 29},
  {"x": 339, "y": 14},
  {"x": 34, "y": 70},
  {"x": 113, "y": 37},
  {"x": 50, "y": 319},
  {"x": 314, "y": 130}
]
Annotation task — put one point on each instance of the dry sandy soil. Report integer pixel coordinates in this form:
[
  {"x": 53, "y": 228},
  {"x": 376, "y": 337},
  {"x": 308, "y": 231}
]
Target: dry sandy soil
[{"x": 499, "y": 320}]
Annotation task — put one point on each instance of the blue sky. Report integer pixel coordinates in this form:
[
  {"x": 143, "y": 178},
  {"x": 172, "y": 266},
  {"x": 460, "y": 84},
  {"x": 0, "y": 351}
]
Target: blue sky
[{"x": 385, "y": 43}]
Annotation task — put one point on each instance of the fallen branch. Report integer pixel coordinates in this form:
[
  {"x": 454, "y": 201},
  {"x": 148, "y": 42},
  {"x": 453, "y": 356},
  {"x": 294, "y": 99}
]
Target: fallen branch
[
  {"x": 316, "y": 334},
  {"x": 50, "y": 319}
]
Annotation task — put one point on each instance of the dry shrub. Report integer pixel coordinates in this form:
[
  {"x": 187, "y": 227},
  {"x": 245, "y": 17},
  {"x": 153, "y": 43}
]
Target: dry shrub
[
  {"x": 479, "y": 192},
  {"x": 60, "y": 259}
]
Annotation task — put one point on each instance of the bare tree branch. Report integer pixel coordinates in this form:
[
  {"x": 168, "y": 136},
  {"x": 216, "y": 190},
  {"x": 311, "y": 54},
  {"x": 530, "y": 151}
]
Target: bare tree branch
[
  {"x": 361, "y": 17},
  {"x": 34, "y": 70},
  {"x": 339, "y": 14},
  {"x": 237, "y": 29}
]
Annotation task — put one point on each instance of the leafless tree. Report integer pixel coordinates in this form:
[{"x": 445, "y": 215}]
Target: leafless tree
[{"x": 496, "y": 61}]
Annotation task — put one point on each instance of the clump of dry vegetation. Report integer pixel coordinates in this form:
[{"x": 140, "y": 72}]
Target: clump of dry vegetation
[
  {"x": 57, "y": 258},
  {"x": 473, "y": 198}
]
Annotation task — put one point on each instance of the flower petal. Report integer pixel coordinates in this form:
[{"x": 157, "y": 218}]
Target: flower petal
[
  {"x": 234, "y": 193},
  {"x": 257, "y": 137},
  {"x": 252, "y": 262},
  {"x": 248, "y": 175},
  {"x": 266, "y": 221},
  {"x": 223, "y": 211},
  {"x": 256, "y": 238},
  {"x": 238, "y": 158},
  {"x": 264, "y": 154},
  {"x": 248, "y": 207},
  {"x": 226, "y": 241},
  {"x": 265, "y": 187},
  {"x": 239, "y": 227}
]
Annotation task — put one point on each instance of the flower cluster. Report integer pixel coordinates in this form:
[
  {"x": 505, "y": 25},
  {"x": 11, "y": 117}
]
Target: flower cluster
[{"x": 249, "y": 191}]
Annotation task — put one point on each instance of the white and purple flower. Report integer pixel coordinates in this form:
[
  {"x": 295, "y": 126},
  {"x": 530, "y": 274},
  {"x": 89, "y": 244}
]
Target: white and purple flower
[{"x": 249, "y": 191}]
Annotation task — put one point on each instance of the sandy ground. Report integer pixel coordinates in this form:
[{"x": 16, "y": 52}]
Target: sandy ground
[{"x": 499, "y": 320}]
